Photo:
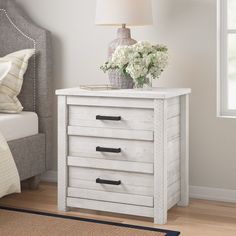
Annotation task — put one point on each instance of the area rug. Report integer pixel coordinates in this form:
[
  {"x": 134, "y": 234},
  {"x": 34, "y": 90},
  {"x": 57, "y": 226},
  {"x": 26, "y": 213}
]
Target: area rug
[{"x": 18, "y": 222}]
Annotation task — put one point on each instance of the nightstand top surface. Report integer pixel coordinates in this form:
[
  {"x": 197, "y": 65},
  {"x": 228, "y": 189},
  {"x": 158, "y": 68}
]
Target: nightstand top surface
[{"x": 154, "y": 93}]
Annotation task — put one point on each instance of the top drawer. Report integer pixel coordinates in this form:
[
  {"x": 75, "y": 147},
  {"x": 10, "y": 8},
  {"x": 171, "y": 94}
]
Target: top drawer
[{"x": 111, "y": 117}]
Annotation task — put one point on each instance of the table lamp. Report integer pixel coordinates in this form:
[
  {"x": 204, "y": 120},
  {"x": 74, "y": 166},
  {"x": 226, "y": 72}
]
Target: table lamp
[{"x": 123, "y": 13}]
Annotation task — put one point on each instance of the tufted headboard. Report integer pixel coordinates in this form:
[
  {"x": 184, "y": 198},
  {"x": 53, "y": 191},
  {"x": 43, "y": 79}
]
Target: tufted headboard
[{"x": 18, "y": 32}]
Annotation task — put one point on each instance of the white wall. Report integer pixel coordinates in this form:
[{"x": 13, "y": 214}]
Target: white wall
[{"x": 188, "y": 27}]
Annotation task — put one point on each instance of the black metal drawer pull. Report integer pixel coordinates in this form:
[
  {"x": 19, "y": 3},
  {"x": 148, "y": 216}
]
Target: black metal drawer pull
[
  {"x": 113, "y": 150},
  {"x": 115, "y": 118},
  {"x": 104, "y": 181}
]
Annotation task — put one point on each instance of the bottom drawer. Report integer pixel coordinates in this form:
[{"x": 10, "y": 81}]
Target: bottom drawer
[
  {"x": 111, "y": 197},
  {"x": 110, "y": 207},
  {"x": 131, "y": 183}
]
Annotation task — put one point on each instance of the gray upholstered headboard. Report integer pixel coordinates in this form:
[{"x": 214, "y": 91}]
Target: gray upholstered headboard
[{"x": 18, "y": 32}]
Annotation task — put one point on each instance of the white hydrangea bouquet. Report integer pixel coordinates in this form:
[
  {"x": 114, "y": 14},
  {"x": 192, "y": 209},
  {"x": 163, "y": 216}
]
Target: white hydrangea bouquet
[{"x": 143, "y": 62}]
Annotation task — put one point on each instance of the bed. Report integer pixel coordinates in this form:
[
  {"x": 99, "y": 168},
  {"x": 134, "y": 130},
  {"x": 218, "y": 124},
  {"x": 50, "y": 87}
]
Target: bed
[{"x": 30, "y": 139}]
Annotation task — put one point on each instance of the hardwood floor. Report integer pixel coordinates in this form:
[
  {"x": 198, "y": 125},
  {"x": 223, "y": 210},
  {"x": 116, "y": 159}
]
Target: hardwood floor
[{"x": 201, "y": 218}]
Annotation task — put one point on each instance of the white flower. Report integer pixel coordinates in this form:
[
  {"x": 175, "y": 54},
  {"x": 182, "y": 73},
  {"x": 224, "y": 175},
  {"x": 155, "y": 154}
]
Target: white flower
[
  {"x": 141, "y": 60},
  {"x": 137, "y": 69}
]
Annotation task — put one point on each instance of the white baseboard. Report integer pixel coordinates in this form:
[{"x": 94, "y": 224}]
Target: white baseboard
[
  {"x": 206, "y": 193},
  {"x": 214, "y": 194}
]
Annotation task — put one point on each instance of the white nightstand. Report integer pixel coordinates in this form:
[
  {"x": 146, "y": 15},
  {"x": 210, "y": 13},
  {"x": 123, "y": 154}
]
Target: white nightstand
[{"x": 123, "y": 151}]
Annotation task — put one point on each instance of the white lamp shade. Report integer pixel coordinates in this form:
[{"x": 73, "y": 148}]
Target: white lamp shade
[{"x": 129, "y": 12}]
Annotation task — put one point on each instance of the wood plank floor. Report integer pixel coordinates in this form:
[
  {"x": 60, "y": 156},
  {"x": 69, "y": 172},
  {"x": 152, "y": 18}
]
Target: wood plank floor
[{"x": 201, "y": 218}]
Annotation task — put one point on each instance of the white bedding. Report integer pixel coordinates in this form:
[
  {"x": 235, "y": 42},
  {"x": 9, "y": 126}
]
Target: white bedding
[
  {"x": 16, "y": 126},
  {"x": 9, "y": 177}
]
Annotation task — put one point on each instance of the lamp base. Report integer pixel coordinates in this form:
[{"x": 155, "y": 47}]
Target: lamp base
[
  {"x": 117, "y": 78},
  {"x": 123, "y": 38}
]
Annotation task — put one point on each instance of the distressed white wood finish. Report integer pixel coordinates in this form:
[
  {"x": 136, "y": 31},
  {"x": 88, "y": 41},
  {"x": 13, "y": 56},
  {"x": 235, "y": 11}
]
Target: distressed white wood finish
[
  {"x": 110, "y": 207},
  {"x": 173, "y": 149},
  {"x": 184, "y": 151},
  {"x": 110, "y": 102},
  {"x": 127, "y": 178},
  {"x": 111, "y": 197},
  {"x": 160, "y": 161},
  {"x": 131, "y": 118},
  {"x": 131, "y": 150},
  {"x": 173, "y": 107},
  {"x": 173, "y": 128},
  {"x": 173, "y": 102},
  {"x": 153, "y": 163},
  {"x": 131, "y": 184},
  {"x": 173, "y": 172},
  {"x": 111, "y": 133},
  {"x": 139, "y": 167},
  {"x": 62, "y": 153},
  {"x": 124, "y": 188},
  {"x": 173, "y": 194},
  {"x": 154, "y": 93}
]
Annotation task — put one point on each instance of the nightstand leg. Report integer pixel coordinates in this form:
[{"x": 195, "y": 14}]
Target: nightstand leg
[
  {"x": 184, "y": 199},
  {"x": 62, "y": 208},
  {"x": 62, "y": 153},
  {"x": 160, "y": 162}
]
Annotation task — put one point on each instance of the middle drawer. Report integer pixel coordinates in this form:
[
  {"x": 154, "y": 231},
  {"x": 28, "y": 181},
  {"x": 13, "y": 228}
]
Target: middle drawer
[{"x": 111, "y": 149}]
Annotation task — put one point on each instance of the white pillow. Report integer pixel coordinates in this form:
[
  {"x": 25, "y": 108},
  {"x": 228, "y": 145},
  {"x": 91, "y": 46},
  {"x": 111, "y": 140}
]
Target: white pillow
[
  {"x": 13, "y": 69},
  {"x": 4, "y": 69}
]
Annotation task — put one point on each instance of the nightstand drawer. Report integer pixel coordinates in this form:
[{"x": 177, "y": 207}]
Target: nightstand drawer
[
  {"x": 111, "y": 149},
  {"x": 110, "y": 197},
  {"x": 111, "y": 117},
  {"x": 130, "y": 183}
]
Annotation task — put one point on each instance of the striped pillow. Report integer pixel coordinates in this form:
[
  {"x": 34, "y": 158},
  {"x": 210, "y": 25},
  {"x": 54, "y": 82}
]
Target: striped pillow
[
  {"x": 11, "y": 82},
  {"x": 4, "y": 69}
]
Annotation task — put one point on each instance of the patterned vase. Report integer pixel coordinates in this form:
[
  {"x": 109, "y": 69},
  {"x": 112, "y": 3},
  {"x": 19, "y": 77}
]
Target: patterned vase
[{"x": 119, "y": 80}]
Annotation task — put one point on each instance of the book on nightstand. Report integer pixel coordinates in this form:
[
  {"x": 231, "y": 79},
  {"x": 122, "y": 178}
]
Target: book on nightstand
[{"x": 97, "y": 87}]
